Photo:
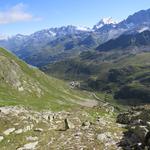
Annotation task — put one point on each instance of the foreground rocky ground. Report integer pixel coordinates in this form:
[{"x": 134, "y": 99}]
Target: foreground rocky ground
[
  {"x": 137, "y": 123},
  {"x": 78, "y": 129}
]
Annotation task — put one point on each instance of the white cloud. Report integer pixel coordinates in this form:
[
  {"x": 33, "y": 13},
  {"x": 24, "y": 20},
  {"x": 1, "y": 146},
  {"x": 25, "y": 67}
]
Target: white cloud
[{"x": 16, "y": 13}]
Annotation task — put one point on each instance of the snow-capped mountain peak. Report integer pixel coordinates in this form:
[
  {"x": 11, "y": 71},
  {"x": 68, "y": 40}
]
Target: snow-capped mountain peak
[
  {"x": 108, "y": 20},
  {"x": 83, "y": 28},
  {"x": 105, "y": 21}
]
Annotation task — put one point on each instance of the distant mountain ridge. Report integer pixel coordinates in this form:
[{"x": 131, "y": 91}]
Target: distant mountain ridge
[
  {"x": 127, "y": 41},
  {"x": 56, "y": 44}
]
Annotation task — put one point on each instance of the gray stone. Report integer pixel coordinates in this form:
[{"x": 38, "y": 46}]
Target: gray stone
[
  {"x": 86, "y": 124},
  {"x": 148, "y": 125},
  {"x": 29, "y": 146},
  {"x": 31, "y": 138},
  {"x": 28, "y": 128},
  {"x": 104, "y": 137},
  {"x": 38, "y": 129},
  {"x": 68, "y": 124},
  {"x": 137, "y": 122},
  {"x": 19, "y": 131},
  {"x": 124, "y": 118},
  {"x": 141, "y": 132},
  {"x": 1, "y": 138},
  {"x": 9, "y": 131}
]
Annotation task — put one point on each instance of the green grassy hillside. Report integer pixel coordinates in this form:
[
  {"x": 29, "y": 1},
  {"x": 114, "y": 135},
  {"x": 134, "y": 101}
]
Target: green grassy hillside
[{"x": 21, "y": 84}]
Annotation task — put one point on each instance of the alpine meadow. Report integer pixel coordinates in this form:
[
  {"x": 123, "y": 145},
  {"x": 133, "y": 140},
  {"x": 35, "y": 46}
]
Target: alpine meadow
[{"x": 69, "y": 83}]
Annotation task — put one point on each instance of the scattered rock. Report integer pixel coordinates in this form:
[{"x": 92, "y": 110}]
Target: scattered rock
[
  {"x": 48, "y": 117},
  {"x": 104, "y": 137},
  {"x": 124, "y": 118},
  {"x": 1, "y": 138},
  {"x": 74, "y": 84},
  {"x": 28, "y": 128},
  {"x": 86, "y": 124},
  {"x": 29, "y": 146},
  {"x": 19, "y": 131},
  {"x": 31, "y": 138},
  {"x": 47, "y": 125},
  {"x": 68, "y": 124},
  {"x": 20, "y": 89},
  {"x": 78, "y": 134},
  {"x": 148, "y": 125},
  {"x": 9, "y": 131},
  {"x": 101, "y": 121},
  {"x": 141, "y": 132},
  {"x": 38, "y": 129},
  {"x": 137, "y": 122}
]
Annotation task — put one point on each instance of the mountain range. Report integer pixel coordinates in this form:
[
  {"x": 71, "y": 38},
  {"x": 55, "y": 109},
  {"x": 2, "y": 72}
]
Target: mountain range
[
  {"x": 112, "y": 57},
  {"x": 55, "y": 44},
  {"x": 77, "y": 87}
]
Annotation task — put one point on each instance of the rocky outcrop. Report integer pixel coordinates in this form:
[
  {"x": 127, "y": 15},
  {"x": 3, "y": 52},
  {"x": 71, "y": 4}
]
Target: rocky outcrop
[{"x": 137, "y": 124}]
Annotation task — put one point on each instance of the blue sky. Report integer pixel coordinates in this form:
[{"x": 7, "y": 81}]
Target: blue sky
[{"x": 28, "y": 16}]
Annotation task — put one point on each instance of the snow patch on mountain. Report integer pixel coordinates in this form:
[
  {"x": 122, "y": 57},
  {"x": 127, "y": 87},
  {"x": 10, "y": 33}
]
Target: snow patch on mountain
[
  {"x": 143, "y": 29},
  {"x": 105, "y": 21},
  {"x": 52, "y": 33},
  {"x": 82, "y": 28}
]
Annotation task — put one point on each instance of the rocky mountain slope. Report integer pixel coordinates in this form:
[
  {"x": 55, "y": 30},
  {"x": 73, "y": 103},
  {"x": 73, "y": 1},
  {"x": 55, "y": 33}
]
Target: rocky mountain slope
[
  {"x": 129, "y": 42},
  {"x": 50, "y": 45},
  {"x": 43, "y": 113},
  {"x": 21, "y": 84},
  {"x": 138, "y": 22}
]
